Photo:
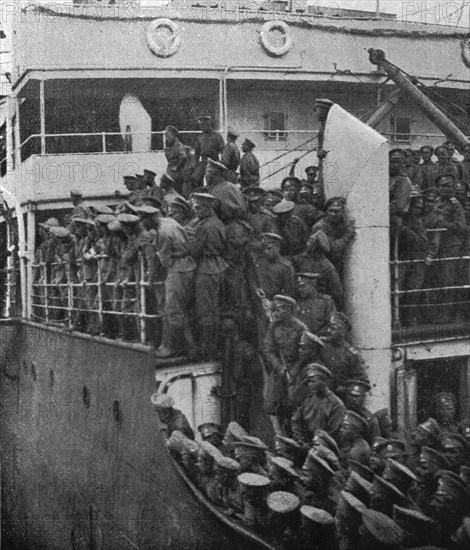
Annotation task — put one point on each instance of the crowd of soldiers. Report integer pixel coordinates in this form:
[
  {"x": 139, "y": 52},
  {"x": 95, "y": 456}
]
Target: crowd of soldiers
[
  {"x": 430, "y": 216},
  {"x": 342, "y": 481}
]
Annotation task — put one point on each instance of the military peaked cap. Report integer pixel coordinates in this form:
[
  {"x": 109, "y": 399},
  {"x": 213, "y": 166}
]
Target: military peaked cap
[
  {"x": 228, "y": 464},
  {"x": 286, "y": 299},
  {"x": 335, "y": 201},
  {"x": 59, "y": 232},
  {"x": 399, "y": 475},
  {"x": 283, "y": 207},
  {"x": 325, "y": 439},
  {"x": 431, "y": 456},
  {"x": 209, "y": 428},
  {"x": 105, "y": 219},
  {"x": 282, "y": 502},
  {"x": 361, "y": 469},
  {"x": 356, "y": 421},
  {"x": 359, "y": 487},
  {"x": 284, "y": 464},
  {"x": 357, "y": 387},
  {"x": 381, "y": 528},
  {"x": 315, "y": 369}
]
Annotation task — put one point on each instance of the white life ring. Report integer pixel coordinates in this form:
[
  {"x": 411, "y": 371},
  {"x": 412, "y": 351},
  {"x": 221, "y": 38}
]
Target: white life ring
[
  {"x": 282, "y": 26},
  {"x": 466, "y": 50},
  {"x": 161, "y": 45}
]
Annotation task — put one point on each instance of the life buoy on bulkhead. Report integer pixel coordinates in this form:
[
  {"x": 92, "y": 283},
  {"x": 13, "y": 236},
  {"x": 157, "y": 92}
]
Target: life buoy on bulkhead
[
  {"x": 266, "y": 34},
  {"x": 163, "y": 44},
  {"x": 466, "y": 50}
]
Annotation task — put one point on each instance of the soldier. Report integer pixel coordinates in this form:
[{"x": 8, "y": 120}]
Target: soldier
[
  {"x": 173, "y": 418},
  {"x": 383, "y": 495},
  {"x": 448, "y": 504},
  {"x": 254, "y": 492},
  {"x": 168, "y": 190},
  {"x": 280, "y": 351},
  {"x": 339, "y": 356},
  {"x": 282, "y": 475},
  {"x": 425, "y": 435},
  {"x": 352, "y": 437},
  {"x": 208, "y": 248},
  {"x": 134, "y": 197},
  {"x": 226, "y": 470},
  {"x": 446, "y": 411},
  {"x": 208, "y": 454},
  {"x": 399, "y": 475},
  {"x": 231, "y": 203},
  {"x": 327, "y": 449},
  {"x": 173, "y": 251},
  {"x": 180, "y": 210},
  {"x": 250, "y": 453},
  {"x": 212, "y": 433},
  {"x": 321, "y": 487},
  {"x": 430, "y": 462},
  {"x": 271, "y": 198},
  {"x": 418, "y": 529},
  {"x": 41, "y": 272},
  {"x": 64, "y": 256},
  {"x": 391, "y": 448},
  {"x": 209, "y": 145},
  {"x": 359, "y": 487},
  {"x": 312, "y": 174},
  {"x": 313, "y": 309},
  {"x": 290, "y": 188},
  {"x": 454, "y": 447},
  {"x": 249, "y": 165},
  {"x": 445, "y": 163},
  {"x": 377, "y": 463},
  {"x": 305, "y": 210},
  {"x": 338, "y": 230},
  {"x": 411, "y": 169},
  {"x": 291, "y": 228},
  {"x": 348, "y": 520},
  {"x": 80, "y": 210},
  {"x": 284, "y": 509},
  {"x": 451, "y": 240},
  {"x": 275, "y": 273},
  {"x": 260, "y": 219},
  {"x": 320, "y": 408},
  {"x": 399, "y": 192},
  {"x": 150, "y": 188},
  {"x": 385, "y": 422},
  {"x": 231, "y": 156},
  {"x": 176, "y": 156},
  {"x": 313, "y": 260},
  {"x": 413, "y": 248},
  {"x": 379, "y": 531},
  {"x": 354, "y": 399},
  {"x": 427, "y": 170},
  {"x": 128, "y": 276},
  {"x": 364, "y": 471},
  {"x": 290, "y": 449}
]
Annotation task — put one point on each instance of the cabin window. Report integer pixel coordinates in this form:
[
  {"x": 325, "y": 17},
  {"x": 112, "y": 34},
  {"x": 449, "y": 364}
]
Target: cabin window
[
  {"x": 402, "y": 129},
  {"x": 275, "y": 125}
]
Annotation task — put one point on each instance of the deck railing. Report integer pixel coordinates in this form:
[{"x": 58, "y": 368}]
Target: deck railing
[
  {"x": 120, "y": 309},
  {"x": 438, "y": 293}
]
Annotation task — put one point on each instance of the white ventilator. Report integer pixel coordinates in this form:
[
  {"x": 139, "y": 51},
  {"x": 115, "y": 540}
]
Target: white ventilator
[{"x": 135, "y": 124}]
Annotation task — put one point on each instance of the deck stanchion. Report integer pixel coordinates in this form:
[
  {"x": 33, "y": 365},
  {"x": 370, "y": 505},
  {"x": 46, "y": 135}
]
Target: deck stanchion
[
  {"x": 396, "y": 295},
  {"x": 142, "y": 288},
  {"x": 99, "y": 294},
  {"x": 69, "y": 294},
  {"x": 46, "y": 292}
]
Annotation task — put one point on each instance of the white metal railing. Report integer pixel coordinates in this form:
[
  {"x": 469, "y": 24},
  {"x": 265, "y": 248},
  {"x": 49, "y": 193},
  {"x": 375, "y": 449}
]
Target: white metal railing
[
  {"x": 433, "y": 301},
  {"x": 87, "y": 305}
]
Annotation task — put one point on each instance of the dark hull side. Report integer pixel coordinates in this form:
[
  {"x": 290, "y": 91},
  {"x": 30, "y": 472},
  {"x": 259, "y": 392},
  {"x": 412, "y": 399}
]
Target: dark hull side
[{"x": 83, "y": 463}]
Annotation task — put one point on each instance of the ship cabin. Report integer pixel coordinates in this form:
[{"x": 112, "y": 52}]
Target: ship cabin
[{"x": 94, "y": 86}]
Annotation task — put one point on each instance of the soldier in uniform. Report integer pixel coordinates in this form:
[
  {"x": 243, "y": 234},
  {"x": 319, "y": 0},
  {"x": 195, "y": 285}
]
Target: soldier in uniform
[
  {"x": 271, "y": 198},
  {"x": 454, "y": 447},
  {"x": 64, "y": 257},
  {"x": 172, "y": 249},
  {"x": 399, "y": 475},
  {"x": 173, "y": 418},
  {"x": 275, "y": 273},
  {"x": 134, "y": 197},
  {"x": 339, "y": 356},
  {"x": 313, "y": 260},
  {"x": 320, "y": 408},
  {"x": 280, "y": 351},
  {"x": 354, "y": 399},
  {"x": 231, "y": 204},
  {"x": 321, "y": 487},
  {"x": 290, "y": 188},
  {"x": 180, "y": 210},
  {"x": 209, "y": 145},
  {"x": 445, "y": 163},
  {"x": 378, "y": 530},
  {"x": 305, "y": 210},
  {"x": 176, "y": 156},
  {"x": 208, "y": 248},
  {"x": 313, "y": 309},
  {"x": 249, "y": 165},
  {"x": 259, "y": 218},
  {"x": 348, "y": 520},
  {"x": 338, "y": 230},
  {"x": 41, "y": 272},
  {"x": 80, "y": 210},
  {"x": 352, "y": 437},
  {"x": 231, "y": 156},
  {"x": 399, "y": 192},
  {"x": 446, "y": 411},
  {"x": 291, "y": 228},
  {"x": 427, "y": 170},
  {"x": 384, "y": 495},
  {"x": 282, "y": 475},
  {"x": 451, "y": 240},
  {"x": 425, "y": 435},
  {"x": 212, "y": 433},
  {"x": 250, "y": 453}
]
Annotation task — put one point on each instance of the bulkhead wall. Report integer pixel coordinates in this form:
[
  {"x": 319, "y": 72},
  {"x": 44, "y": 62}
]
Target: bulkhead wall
[{"x": 84, "y": 464}]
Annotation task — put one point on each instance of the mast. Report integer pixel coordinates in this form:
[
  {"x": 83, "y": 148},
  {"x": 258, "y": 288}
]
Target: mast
[{"x": 377, "y": 57}]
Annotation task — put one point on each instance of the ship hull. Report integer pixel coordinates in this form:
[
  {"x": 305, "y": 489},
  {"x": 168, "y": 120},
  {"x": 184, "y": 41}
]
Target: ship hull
[{"x": 84, "y": 465}]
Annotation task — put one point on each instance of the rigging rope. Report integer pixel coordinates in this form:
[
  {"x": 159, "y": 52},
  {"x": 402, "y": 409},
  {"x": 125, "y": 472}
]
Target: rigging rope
[{"x": 290, "y": 151}]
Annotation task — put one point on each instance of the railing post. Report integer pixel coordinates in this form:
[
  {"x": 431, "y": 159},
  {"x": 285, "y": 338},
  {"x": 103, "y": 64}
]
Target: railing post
[
  {"x": 69, "y": 294},
  {"x": 103, "y": 141},
  {"x": 396, "y": 296},
  {"x": 8, "y": 274},
  {"x": 142, "y": 314},
  {"x": 100, "y": 294},
  {"x": 42, "y": 114},
  {"x": 164, "y": 140},
  {"x": 46, "y": 292}
]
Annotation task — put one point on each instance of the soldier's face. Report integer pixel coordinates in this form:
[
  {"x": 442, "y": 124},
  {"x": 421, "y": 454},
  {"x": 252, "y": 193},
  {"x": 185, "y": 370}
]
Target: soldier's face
[
  {"x": 311, "y": 176},
  {"x": 290, "y": 192},
  {"x": 426, "y": 155},
  {"x": 306, "y": 288},
  {"x": 454, "y": 455},
  {"x": 451, "y": 148},
  {"x": 442, "y": 155},
  {"x": 211, "y": 173},
  {"x": 201, "y": 210},
  {"x": 446, "y": 187},
  {"x": 335, "y": 214},
  {"x": 305, "y": 198},
  {"x": 281, "y": 311},
  {"x": 170, "y": 138},
  {"x": 271, "y": 251},
  {"x": 429, "y": 205},
  {"x": 335, "y": 331},
  {"x": 421, "y": 437},
  {"x": 376, "y": 463},
  {"x": 305, "y": 353},
  {"x": 396, "y": 165},
  {"x": 355, "y": 401},
  {"x": 176, "y": 213},
  {"x": 270, "y": 201},
  {"x": 446, "y": 411}
]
